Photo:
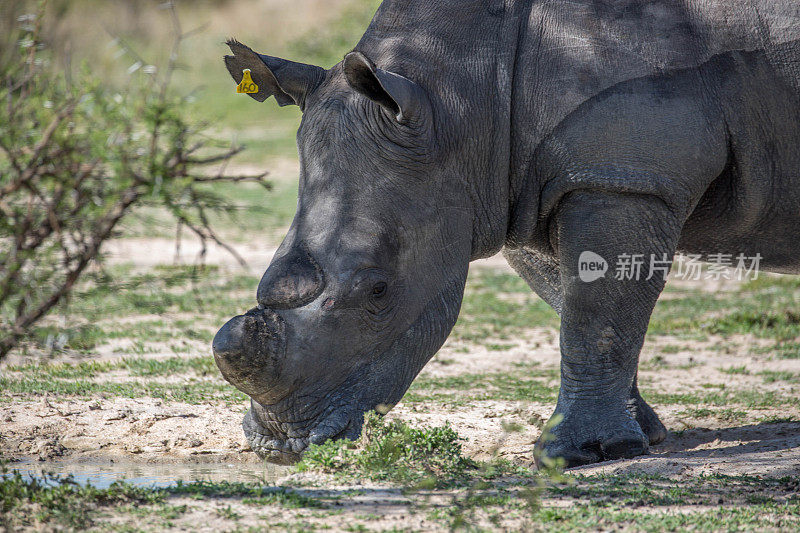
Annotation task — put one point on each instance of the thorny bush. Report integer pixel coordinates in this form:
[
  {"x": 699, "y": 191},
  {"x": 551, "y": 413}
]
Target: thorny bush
[{"x": 77, "y": 156}]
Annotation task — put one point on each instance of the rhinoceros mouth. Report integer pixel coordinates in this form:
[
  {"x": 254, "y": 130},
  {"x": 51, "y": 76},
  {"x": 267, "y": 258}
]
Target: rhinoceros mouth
[
  {"x": 272, "y": 450},
  {"x": 285, "y": 450}
]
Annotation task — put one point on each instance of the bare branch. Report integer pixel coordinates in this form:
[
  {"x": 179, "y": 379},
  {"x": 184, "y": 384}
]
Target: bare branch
[{"x": 256, "y": 178}]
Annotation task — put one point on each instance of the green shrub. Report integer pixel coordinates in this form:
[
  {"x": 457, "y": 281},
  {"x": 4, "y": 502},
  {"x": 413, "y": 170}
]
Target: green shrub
[
  {"x": 394, "y": 451},
  {"x": 76, "y": 158}
]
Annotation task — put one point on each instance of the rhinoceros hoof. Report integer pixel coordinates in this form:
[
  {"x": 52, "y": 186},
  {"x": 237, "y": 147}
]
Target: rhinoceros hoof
[
  {"x": 579, "y": 441},
  {"x": 649, "y": 422}
]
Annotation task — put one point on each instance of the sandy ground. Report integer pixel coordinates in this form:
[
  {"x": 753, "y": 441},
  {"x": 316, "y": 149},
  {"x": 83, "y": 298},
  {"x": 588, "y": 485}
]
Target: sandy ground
[
  {"x": 148, "y": 429},
  {"x": 153, "y": 431},
  {"x": 140, "y": 429}
]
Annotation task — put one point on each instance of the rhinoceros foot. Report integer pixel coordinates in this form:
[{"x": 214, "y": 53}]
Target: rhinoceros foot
[{"x": 588, "y": 435}]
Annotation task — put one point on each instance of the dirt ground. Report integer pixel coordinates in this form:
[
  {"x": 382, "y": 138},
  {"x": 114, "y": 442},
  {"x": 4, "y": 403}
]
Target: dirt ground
[
  {"x": 152, "y": 429},
  {"x": 752, "y": 437}
]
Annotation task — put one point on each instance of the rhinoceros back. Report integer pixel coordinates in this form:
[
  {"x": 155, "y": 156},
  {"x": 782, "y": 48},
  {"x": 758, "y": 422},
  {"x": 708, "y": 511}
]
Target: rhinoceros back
[{"x": 574, "y": 50}]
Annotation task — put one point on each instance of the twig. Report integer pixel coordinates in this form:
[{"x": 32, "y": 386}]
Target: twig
[
  {"x": 259, "y": 178},
  {"x": 32, "y": 167}
]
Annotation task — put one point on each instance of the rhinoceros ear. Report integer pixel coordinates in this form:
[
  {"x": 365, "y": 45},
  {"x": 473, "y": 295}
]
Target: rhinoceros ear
[
  {"x": 287, "y": 81},
  {"x": 400, "y": 96}
]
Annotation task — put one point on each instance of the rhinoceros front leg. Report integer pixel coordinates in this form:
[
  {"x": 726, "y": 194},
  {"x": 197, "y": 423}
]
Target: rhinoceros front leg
[
  {"x": 541, "y": 271},
  {"x": 604, "y": 320}
]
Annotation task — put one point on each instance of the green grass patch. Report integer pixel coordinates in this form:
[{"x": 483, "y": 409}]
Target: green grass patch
[
  {"x": 673, "y": 348},
  {"x": 701, "y": 412},
  {"x": 729, "y": 414},
  {"x": 191, "y": 392},
  {"x": 486, "y": 315},
  {"x": 396, "y": 452},
  {"x": 743, "y": 398},
  {"x": 528, "y": 383},
  {"x": 788, "y": 350},
  {"x": 763, "y": 322},
  {"x": 735, "y": 370},
  {"x": 499, "y": 347},
  {"x": 201, "y": 366},
  {"x": 777, "y": 419},
  {"x": 767, "y": 307},
  {"x": 626, "y": 489},
  {"x": 781, "y": 350},
  {"x": 784, "y": 376},
  {"x": 83, "y": 370},
  {"x": 136, "y": 366},
  {"x": 584, "y": 517}
]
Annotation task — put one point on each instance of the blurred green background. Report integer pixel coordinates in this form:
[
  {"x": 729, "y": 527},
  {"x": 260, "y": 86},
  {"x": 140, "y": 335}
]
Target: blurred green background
[
  {"x": 114, "y": 36},
  {"x": 118, "y": 40}
]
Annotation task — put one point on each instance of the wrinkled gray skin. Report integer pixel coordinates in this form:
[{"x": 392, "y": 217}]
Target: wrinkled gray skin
[{"x": 459, "y": 128}]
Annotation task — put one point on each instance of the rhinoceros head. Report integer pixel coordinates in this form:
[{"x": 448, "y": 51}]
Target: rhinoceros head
[{"x": 368, "y": 282}]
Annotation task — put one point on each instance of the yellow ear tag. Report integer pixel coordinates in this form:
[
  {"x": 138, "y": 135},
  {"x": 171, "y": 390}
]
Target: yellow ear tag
[{"x": 247, "y": 85}]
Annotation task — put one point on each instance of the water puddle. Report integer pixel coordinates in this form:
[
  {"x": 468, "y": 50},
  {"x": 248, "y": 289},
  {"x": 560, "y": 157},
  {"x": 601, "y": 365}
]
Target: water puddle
[{"x": 158, "y": 475}]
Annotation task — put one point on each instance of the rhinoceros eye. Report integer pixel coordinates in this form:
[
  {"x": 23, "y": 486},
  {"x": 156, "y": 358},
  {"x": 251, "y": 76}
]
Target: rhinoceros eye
[{"x": 379, "y": 289}]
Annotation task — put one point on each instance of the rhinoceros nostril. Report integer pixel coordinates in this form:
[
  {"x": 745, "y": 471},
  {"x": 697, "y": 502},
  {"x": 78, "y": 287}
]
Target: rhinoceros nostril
[{"x": 292, "y": 280}]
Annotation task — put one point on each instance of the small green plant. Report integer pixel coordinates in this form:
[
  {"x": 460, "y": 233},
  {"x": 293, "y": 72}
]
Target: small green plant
[
  {"x": 228, "y": 513},
  {"x": 395, "y": 451}
]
